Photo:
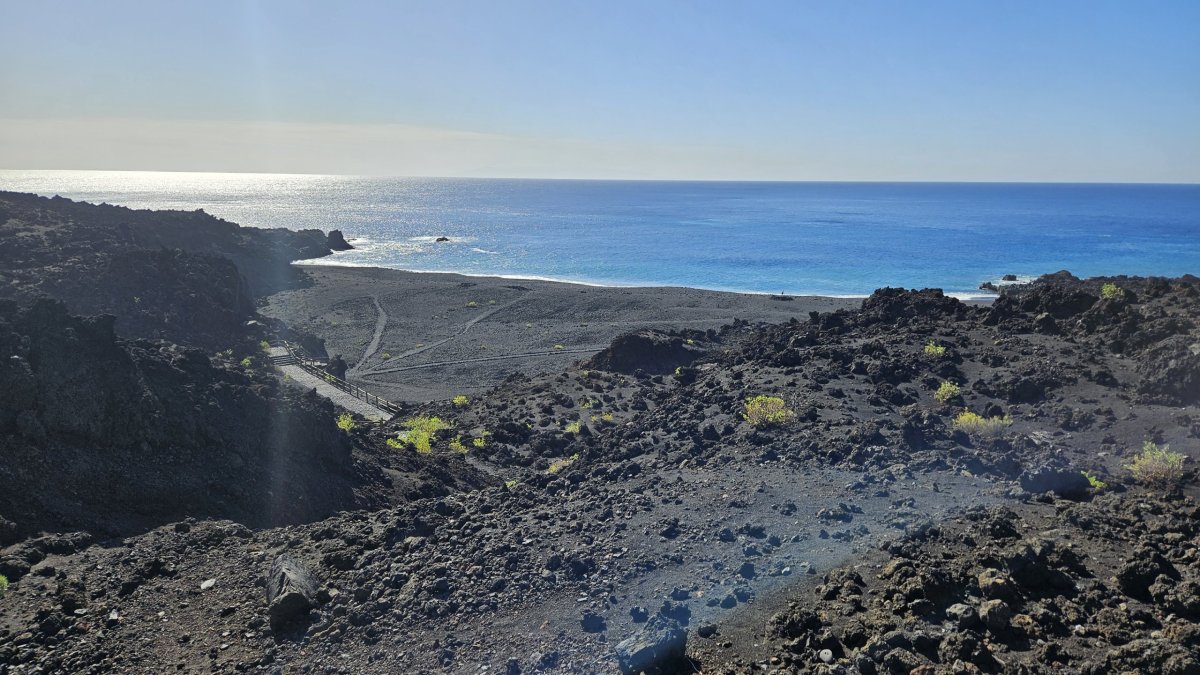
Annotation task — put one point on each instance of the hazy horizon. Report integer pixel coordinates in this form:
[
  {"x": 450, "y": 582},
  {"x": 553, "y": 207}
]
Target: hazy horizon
[{"x": 1071, "y": 92}]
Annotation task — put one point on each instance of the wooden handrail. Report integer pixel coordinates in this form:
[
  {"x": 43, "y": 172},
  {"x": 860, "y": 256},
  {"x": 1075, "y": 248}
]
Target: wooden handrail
[{"x": 312, "y": 366}]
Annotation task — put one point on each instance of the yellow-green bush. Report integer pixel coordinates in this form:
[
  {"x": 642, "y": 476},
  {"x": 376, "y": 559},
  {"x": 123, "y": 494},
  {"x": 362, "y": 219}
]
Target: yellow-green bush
[
  {"x": 345, "y": 422},
  {"x": 1112, "y": 292},
  {"x": 934, "y": 349},
  {"x": 560, "y": 464},
  {"x": 946, "y": 392},
  {"x": 978, "y": 426},
  {"x": 460, "y": 401},
  {"x": 3, "y": 584},
  {"x": 765, "y": 411},
  {"x": 421, "y": 432},
  {"x": 456, "y": 445},
  {"x": 1157, "y": 466},
  {"x": 573, "y": 427}
]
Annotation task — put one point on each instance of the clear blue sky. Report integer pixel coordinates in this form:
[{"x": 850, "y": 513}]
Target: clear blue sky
[{"x": 916, "y": 90}]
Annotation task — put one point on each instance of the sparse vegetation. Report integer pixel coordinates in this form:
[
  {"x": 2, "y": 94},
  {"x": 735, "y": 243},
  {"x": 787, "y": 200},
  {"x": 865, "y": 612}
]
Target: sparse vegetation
[
  {"x": 1095, "y": 482},
  {"x": 978, "y": 426},
  {"x": 421, "y": 432},
  {"x": 573, "y": 427},
  {"x": 456, "y": 444},
  {"x": 1112, "y": 292},
  {"x": 1157, "y": 466},
  {"x": 345, "y": 422},
  {"x": 246, "y": 362},
  {"x": 480, "y": 441},
  {"x": 491, "y": 302},
  {"x": 765, "y": 411},
  {"x": 934, "y": 350},
  {"x": 387, "y": 356},
  {"x": 559, "y": 347},
  {"x": 460, "y": 401},
  {"x": 472, "y": 304},
  {"x": 607, "y": 417},
  {"x": 395, "y": 443},
  {"x": 3, "y": 584},
  {"x": 512, "y": 483},
  {"x": 946, "y": 392},
  {"x": 560, "y": 464},
  {"x": 265, "y": 346}
]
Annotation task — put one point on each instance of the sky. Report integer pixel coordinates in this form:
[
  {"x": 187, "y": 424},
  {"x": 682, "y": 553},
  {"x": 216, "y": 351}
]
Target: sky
[{"x": 644, "y": 89}]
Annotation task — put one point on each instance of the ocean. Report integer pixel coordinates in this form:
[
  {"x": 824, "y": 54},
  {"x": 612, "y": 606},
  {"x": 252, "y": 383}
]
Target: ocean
[{"x": 797, "y": 238}]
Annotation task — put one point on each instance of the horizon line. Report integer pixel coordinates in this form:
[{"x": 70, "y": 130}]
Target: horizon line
[{"x": 627, "y": 180}]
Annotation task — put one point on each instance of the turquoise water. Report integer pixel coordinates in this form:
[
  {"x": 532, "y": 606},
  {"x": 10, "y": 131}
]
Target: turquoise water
[{"x": 819, "y": 238}]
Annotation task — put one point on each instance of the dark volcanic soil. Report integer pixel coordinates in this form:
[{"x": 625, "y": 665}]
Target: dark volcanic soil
[
  {"x": 625, "y": 500},
  {"x": 424, "y": 337}
]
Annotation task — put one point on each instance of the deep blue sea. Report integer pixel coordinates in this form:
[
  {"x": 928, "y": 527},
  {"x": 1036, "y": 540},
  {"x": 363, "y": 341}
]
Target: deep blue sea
[{"x": 797, "y": 238}]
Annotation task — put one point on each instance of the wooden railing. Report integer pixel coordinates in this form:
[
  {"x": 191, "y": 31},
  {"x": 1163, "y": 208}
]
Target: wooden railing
[{"x": 317, "y": 368}]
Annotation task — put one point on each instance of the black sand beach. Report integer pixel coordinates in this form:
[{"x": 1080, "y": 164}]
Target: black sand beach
[{"x": 422, "y": 337}]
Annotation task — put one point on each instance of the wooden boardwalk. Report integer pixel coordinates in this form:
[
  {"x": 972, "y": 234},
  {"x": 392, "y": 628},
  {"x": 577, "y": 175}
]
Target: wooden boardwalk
[{"x": 340, "y": 397}]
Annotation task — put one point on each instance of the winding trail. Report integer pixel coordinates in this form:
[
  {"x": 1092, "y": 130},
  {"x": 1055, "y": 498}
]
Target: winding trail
[
  {"x": 380, "y": 324},
  {"x": 432, "y": 345}
]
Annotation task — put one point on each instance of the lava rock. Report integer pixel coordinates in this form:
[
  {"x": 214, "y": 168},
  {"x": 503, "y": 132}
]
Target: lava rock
[
  {"x": 658, "y": 646},
  {"x": 291, "y": 591}
]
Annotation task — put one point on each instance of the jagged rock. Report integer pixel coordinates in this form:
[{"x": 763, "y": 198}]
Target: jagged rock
[
  {"x": 655, "y": 647},
  {"x": 291, "y": 591},
  {"x": 650, "y": 351},
  {"x": 337, "y": 242},
  {"x": 1065, "y": 482},
  {"x": 1171, "y": 371}
]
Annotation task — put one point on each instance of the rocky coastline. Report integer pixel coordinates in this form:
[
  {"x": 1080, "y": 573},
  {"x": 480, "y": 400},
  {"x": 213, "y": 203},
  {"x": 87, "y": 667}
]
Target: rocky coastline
[{"x": 168, "y": 502}]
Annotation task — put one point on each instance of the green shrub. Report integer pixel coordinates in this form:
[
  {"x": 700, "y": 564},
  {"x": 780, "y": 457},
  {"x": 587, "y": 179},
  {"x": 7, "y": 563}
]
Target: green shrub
[
  {"x": 460, "y": 401},
  {"x": 978, "y": 426},
  {"x": 1093, "y": 481},
  {"x": 395, "y": 443},
  {"x": 3, "y": 584},
  {"x": 946, "y": 392},
  {"x": 480, "y": 441},
  {"x": 934, "y": 349},
  {"x": 573, "y": 427},
  {"x": 472, "y": 304},
  {"x": 246, "y": 362},
  {"x": 765, "y": 411},
  {"x": 265, "y": 346},
  {"x": 345, "y": 422},
  {"x": 1112, "y": 292},
  {"x": 456, "y": 445},
  {"x": 607, "y": 417},
  {"x": 512, "y": 483},
  {"x": 560, "y": 464},
  {"x": 1157, "y": 466},
  {"x": 387, "y": 355},
  {"x": 421, "y": 431},
  {"x": 559, "y": 347}
]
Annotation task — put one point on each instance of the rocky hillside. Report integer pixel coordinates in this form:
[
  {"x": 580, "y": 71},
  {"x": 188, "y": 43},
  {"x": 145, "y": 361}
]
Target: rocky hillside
[
  {"x": 186, "y": 277},
  {"x": 114, "y": 436},
  {"x": 639, "y": 516}
]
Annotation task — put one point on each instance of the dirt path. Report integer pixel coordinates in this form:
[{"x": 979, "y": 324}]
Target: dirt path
[
  {"x": 433, "y": 364},
  {"x": 380, "y": 325},
  {"x": 432, "y": 345}
]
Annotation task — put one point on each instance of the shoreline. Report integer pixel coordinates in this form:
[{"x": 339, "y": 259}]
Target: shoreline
[
  {"x": 964, "y": 296},
  {"x": 423, "y": 336}
]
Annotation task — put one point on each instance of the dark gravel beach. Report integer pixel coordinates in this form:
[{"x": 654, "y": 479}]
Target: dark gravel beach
[{"x": 424, "y": 337}]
